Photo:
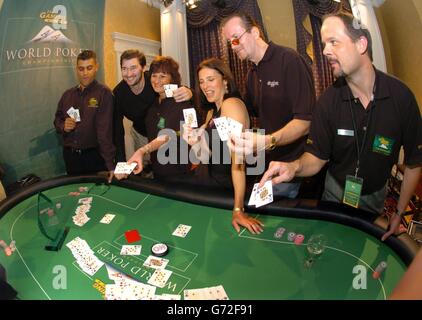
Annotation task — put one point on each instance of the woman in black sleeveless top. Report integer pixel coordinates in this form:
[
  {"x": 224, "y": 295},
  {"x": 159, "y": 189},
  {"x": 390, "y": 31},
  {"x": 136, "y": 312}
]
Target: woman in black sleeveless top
[{"x": 217, "y": 94}]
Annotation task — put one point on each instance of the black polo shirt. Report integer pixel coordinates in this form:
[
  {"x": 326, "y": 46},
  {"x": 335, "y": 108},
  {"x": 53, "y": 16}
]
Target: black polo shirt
[
  {"x": 279, "y": 89},
  {"x": 167, "y": 114},
  {"x": 395, "y": 121},
  {"x": 132, "y": 106}
]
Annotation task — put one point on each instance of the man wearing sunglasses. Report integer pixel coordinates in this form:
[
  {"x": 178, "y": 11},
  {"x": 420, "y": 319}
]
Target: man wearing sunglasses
[{"x": 280, "y": 92}]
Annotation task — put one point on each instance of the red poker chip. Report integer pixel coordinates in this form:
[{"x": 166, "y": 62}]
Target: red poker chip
[{"x": 159, "y": 249}]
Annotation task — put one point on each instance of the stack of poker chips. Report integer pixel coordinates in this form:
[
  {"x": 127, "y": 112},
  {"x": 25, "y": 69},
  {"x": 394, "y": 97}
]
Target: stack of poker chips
[
  {"x": 279, "y": 233},
  {"x": 291, "y": 236},
  {"x": 299, "y": 239},
  {"x": 379, "y": 269}
]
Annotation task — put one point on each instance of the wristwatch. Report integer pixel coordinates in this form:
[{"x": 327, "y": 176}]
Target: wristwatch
[{"x": 272, "y": 144}]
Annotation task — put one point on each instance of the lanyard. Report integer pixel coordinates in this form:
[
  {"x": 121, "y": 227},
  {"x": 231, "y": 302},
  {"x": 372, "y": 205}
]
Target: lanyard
[{"x": 360, "y": 148}]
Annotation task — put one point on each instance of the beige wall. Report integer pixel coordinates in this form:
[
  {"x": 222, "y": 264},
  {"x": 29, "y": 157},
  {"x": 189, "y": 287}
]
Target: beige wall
[
  {"x": 402, "y": 29},
  {"x": 279, "y": 21},
  {"x": 131, "y": 17}
]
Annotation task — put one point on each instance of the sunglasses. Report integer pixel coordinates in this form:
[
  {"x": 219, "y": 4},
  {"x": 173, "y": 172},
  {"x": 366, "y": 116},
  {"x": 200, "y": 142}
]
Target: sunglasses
[{"x": 236, "y": 41}]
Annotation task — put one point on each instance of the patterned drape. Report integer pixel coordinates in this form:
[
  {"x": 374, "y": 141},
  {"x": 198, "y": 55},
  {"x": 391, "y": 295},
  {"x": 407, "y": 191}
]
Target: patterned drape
[
  {"x": 205, "y": 39},
  {"x": 308, "y": 14}
]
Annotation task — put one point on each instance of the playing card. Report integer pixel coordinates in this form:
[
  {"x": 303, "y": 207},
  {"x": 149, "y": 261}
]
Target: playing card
[
  {"x": 181, "y": 230},
  {"x": 74, "y": 114},
  {"x": 124, "y": 168},
  {"x": 156, "y": 262},
  {"x": 222, "y": 128},
  {"x": 169, "y": 88},
  {"x": 131, "y": 250},
  {"x": 87, "y": 200},
  {"x": 108, "y": 217},
  {"x": 234, "y": 127},
  {"x": 159, "y": 278},
  {"x": 252, "y": 199},
  {"x": 193, "y": 294},
  {"x": 264, "y": 194},
  {"x": 190, "y": 117},
  {"x": 171, "y": 296}
]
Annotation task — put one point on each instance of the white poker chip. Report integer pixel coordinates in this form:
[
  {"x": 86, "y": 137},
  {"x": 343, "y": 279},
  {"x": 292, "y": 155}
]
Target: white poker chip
[{"x": 159, "y": 249}]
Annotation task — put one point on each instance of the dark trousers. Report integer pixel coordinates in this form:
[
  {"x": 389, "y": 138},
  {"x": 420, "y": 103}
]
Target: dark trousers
[{"x": 79, "y": 161}]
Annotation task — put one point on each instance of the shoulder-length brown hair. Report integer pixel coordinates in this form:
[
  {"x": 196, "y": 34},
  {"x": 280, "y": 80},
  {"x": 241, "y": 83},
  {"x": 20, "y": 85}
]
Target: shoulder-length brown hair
[{"x": 166, "y": 65}]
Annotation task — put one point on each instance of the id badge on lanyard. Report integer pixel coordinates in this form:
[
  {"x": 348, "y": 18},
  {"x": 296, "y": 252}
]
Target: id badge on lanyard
[{"x": 352, "y": 190}]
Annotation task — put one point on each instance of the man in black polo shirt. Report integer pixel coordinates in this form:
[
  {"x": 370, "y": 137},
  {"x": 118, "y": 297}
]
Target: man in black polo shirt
[
  {"x": 133, "y": 96},
  {"x": 87, "y": 134},
  {"x": 359, "y": 126},
  {"x": 280, "y": 92}
]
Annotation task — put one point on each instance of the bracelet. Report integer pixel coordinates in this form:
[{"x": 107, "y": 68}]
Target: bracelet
[
  {"x": 237, "y": 209},
  {"x": 273, "y": 143}
]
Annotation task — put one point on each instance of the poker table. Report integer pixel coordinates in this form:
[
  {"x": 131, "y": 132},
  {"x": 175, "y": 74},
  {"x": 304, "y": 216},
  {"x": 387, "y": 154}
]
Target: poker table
[{"x": 248, "y": 266}]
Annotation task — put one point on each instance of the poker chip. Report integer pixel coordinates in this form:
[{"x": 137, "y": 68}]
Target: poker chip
[
  {"x": 291, "y": 236},
  {"x": 159, "y": 249},
  {"x": 58, "y": 205},
  {"x": 279, "y": 233},
  {"x": 299, "y": 239}
]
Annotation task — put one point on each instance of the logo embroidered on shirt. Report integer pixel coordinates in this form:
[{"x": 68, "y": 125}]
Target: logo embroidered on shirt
[
  {"x": 93, "y": 103},
  {"x": 383, "y": 145},
  {"x": 273, "y": 84}
]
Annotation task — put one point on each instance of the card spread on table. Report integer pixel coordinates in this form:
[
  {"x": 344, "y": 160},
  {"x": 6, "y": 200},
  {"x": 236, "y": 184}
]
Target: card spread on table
[
  {"x": 124, "y": 168},
  {"x": 190, "y": 117},
  {"x": 169, "y": 88},
  {"x": 156, "y": 262},
  {"x": 131, "y": 250},
  {"x": 261, "y": 196},
  {"x": 159, "y": 277},
  {"x": 181, "y": 230},
  {"x": 108, "y": 217},
  {"x": 85, "y": 257},
  {"x": 74, "y": 114}
]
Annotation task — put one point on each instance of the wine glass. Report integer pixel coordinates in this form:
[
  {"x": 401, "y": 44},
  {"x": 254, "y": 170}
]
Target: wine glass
[{"x": 315, "y": 247}]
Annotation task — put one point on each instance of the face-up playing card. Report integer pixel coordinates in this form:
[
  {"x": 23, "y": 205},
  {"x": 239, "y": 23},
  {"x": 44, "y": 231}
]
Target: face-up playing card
[
  {"x": 193, "y": 294},
  {"x": 222, "y": 128},
  {"x": 87, "y": 200},
  {"x": 234, "y": 127},
  {"x": 264, "y": 194},
  {"x": 252, "y": 199},
  {"x": 169, "y": 88},
  {"x": 190, "y": 117},
  {"x": 108, "y": 217},
  {"x": 74, "y": 114},
  {"x": 159, "y": 278},
  {"x": 124, "y": 168},
  {"x": 181, "y": 230},
  {"x": 156, "y": 262},
  {"x": 131, "y": 250}
]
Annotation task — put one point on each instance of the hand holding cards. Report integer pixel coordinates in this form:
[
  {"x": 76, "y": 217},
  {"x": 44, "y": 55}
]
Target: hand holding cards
[
  {"x": 169, "y": 88},
  {"x": 261, "y": 196},
  {"x": 124, "y": 168},
  {"x": 74, "y": 114}
]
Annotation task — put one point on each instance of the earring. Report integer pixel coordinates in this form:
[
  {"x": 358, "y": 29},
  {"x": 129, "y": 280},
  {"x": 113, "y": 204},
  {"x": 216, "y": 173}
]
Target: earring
[{"x": 226, "y": 88}]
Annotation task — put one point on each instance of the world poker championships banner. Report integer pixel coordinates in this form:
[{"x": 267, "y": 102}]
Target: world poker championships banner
[{"x": 40, "y": 41}]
